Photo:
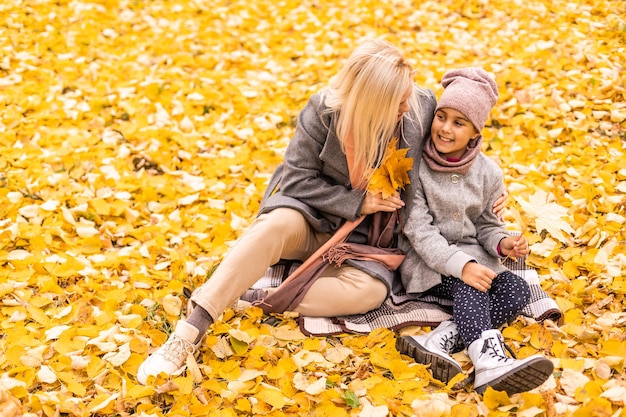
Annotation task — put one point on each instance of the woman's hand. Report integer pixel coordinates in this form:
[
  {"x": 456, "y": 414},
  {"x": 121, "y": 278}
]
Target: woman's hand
[
  {"x": 478, "y": 276},
  {"x": 375, "y": 202},
  {"x": 500, "y": 204}
]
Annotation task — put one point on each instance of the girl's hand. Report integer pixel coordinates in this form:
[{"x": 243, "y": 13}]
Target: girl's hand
[
  {"x": 500, "y": 204},
  {"x": 478, "y": 276},
  {"x": 514, "y": 246},
  {"x": 375, "y": 202}
]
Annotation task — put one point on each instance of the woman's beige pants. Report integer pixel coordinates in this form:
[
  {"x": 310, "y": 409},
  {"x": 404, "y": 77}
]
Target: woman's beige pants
[{"x": 285, "y": 234}]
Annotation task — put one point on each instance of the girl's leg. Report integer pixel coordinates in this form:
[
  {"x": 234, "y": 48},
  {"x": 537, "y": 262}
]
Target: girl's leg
[
  {"x": 475, "y": 311},
  {"x": 471, "y": 309},
  {"x": 282, "y": 233},
  {"x": 342, "y": 291},
  {"x": 492, "y": 366},
  {"x": 509, "y": 294},
  {"x": 477, "y": 316}
]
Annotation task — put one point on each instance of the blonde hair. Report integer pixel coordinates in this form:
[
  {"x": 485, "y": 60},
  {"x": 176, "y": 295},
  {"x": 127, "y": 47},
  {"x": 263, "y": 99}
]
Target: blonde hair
[{"x": 366, "y": 94}]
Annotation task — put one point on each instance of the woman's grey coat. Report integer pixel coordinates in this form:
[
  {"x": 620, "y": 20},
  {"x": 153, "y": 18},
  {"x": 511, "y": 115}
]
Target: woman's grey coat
[{"x": 314, "y": 177}]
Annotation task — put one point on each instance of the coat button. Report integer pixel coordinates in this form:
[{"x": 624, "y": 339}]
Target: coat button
[{"x": 454, "y": 178}]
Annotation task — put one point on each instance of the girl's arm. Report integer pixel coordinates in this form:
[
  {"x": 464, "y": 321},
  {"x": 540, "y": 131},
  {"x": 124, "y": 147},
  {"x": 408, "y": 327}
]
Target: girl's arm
[{"x": 514, "y": 246}]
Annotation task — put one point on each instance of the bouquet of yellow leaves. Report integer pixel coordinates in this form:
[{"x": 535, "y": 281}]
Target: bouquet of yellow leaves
[{"x": 391, "y": 174}]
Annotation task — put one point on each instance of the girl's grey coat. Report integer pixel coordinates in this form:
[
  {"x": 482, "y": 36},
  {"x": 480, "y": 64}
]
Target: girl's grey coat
[
  {"x": 314, "y": 177},
  {"x": 449, "y": 222}
]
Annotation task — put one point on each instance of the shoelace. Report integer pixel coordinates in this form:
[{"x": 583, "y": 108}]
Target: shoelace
[
  {"x": 491, "y": 348},
  {"x": 177, "y": 347},
  {"x": 449, "y": 342}
]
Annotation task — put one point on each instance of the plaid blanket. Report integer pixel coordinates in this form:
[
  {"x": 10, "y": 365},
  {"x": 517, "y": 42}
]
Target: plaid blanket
[{"x": 401, "y": 310}]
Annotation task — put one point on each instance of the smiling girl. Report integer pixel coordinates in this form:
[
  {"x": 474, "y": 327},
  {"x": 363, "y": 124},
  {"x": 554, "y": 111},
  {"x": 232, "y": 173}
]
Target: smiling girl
[{"x": 454, "y": 244}]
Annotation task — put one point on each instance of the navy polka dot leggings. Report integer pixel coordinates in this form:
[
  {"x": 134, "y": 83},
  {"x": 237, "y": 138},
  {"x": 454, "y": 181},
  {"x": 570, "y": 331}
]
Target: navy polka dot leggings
[{"x": 475, "y": 311}]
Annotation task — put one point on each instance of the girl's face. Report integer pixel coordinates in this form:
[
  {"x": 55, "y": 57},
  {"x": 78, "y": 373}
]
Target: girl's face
[
  {"x": 404, "y": 105},
  {"x": 451, "y": 131}
]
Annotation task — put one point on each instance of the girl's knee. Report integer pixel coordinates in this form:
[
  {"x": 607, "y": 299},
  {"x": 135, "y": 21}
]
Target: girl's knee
[{"x": 519, "y": 289}]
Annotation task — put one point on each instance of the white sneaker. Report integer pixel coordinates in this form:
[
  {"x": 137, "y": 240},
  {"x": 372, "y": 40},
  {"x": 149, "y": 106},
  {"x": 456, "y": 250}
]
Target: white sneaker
[{"x": 171, "y": 357}]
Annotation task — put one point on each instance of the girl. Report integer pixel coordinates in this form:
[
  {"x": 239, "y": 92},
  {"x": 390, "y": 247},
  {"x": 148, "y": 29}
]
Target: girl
[{"x": 453, "y": 244}]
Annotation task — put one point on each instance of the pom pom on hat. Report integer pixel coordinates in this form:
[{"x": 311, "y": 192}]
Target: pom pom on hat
[{"x": 471, "y": 91}]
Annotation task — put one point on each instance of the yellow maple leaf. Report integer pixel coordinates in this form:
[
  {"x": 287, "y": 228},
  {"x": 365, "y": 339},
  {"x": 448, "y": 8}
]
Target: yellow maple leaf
[
  {"x": 540, "y": 337},
  {"x": 391, "y": 174},
  {"x": 548, "y": 215}
]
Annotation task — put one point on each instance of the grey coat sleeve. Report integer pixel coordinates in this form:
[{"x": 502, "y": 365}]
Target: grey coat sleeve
[{"x": 489, "y": 228}]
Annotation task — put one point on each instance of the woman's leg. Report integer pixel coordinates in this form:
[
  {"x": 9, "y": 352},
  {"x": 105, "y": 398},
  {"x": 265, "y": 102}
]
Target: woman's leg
[
  {"x": 282, "y": 233},
  {"x": 342, "y": 291}
]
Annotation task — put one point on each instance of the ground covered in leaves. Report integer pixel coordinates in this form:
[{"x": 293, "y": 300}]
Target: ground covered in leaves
[{"x": 136, "y": 138}]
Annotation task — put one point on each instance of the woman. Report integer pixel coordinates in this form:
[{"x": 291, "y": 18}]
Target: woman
[{"x": 340, "y": 137}]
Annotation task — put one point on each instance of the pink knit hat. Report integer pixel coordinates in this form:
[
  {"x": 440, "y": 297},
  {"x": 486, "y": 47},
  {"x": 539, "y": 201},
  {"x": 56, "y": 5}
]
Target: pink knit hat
[{"x": 471, "y": 91}]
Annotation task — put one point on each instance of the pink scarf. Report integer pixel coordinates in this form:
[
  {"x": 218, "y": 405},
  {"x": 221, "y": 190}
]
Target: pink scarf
[{"x": 438, "y": 163}]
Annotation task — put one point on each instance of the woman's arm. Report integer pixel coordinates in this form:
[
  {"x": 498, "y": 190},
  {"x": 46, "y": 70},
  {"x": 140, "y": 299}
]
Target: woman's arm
[
  {"x": 490, "y": 229},
  {"x": 500, "y": 204}
]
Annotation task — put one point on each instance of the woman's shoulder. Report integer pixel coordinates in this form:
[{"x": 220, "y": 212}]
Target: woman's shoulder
[
  {"x": 424, "y": 95},
  {"x": 426, "y": 102},
  {"x": 316, "y": 108},
  {"x": 313, "y": 112},
  {"x": 316, "y": 99},
  {"x": 417, "y": 122}
]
